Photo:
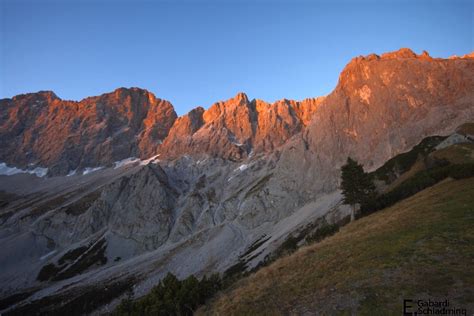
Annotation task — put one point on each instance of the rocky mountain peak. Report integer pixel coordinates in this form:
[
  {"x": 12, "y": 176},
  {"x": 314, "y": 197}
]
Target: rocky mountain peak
[
  {"x": 241, "y": 98},
  {"x": 123, "y": 92},
  {"x": 40, "y": 96},
  {"x": 471, "y": 55},
  {"x": 41, "y": 129},
  {"x": 401, "y": 72},
  {"x": 401, "y": 53}
]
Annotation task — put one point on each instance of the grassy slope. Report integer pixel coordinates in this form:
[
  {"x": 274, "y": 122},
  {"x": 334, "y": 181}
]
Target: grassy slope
[{"x": 422, "y": 247}]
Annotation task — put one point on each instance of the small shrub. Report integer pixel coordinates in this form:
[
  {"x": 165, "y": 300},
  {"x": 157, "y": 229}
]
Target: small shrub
[
  {"x": 48, "y": 272},
  {"x": 288, "y": 246},
  {"x": 323, "y": 232},
  {"x": 462, "y": 171}
]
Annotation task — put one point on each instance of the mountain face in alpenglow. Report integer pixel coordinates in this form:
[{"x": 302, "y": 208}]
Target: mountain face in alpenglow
[
  {"x": 97, "y": 131},
  {"x": 231, "y": 183},
  {"x": 382, "y": 105},
  {"x": 235, "y": 128},
  {"x": 41, "y": 129}
]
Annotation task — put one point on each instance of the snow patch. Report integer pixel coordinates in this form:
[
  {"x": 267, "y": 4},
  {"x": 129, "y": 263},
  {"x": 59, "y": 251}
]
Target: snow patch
[
  {"x": 131, "y": 160},
  {"x": 153, "y": 159},
  {"x": 49, "y": 254},
  {"x": 125, "y": 162},
  {"x": 234, "y": 140},
  {"x": 9, "y": 171},
  {"x": 90, "y": 170},
  {"x": 39, "y": 172},
  {"x": 242, "y": 167},
  {"x": 120, "y": 163},
  {"x": 71, "y": 173},
  {"x": 200, "y": 162}
]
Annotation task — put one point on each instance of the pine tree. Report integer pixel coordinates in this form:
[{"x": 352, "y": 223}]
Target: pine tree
[{"x": 356, "y": 185}]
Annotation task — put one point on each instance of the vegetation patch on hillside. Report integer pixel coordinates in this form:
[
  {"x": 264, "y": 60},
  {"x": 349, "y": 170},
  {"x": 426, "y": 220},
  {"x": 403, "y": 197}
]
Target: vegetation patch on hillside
[
  {"x": 6, "y": 198},
  {"x": 418, "y": 182},
  {"x": 74, "y": 262},
  {"x": 88, "y": 300},
  {"x": 172, "y": 297},
  {"x": 83, "y": 204},
  {"x": 403, "y": 162}
]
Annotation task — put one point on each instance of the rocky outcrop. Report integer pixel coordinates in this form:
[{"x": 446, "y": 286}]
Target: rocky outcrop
[{"x": 40, "y": 129}]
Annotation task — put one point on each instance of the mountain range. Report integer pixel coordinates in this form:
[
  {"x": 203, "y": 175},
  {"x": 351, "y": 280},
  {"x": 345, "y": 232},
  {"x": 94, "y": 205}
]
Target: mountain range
[{"x": 130, "y": 191}]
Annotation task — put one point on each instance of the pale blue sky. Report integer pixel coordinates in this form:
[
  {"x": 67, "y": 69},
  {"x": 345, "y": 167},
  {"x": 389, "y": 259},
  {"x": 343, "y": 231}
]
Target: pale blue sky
[{"x": 198, "y": 52}]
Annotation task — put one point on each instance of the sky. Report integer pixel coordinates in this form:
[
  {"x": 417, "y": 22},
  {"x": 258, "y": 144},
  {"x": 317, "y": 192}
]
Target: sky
[{"x": 195, "y": 53}]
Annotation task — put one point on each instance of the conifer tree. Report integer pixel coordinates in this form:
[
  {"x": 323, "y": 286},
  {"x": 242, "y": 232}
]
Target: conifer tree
[{"x": 356, "y": 185}]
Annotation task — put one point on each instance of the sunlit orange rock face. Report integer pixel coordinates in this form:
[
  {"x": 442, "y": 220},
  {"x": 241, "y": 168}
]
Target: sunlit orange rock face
[
  {"x": 382, "y": 106},
  {"x": 235, "y": 128},
  {"x": 41, "y": 129},
  {"x": 381, "y": 97}
]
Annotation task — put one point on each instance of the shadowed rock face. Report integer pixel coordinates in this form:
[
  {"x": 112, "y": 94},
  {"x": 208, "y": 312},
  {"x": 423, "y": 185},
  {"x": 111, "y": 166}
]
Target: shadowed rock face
[{"x": 41, "y": 129}]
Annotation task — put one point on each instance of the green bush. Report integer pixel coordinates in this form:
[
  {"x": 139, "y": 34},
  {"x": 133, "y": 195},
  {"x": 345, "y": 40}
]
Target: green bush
[
  {"x": 323, "y": 232},
  {"x": 462, "y": 171},
  {"x": 288, "y": 246},
  {"x": 172, "y": 297}
]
